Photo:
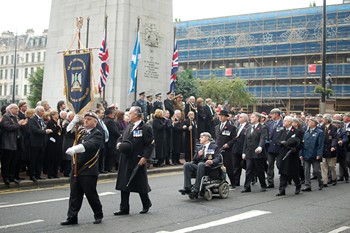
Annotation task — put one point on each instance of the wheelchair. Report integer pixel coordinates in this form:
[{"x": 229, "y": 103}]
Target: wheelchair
[{"x": 213, "y": 183}]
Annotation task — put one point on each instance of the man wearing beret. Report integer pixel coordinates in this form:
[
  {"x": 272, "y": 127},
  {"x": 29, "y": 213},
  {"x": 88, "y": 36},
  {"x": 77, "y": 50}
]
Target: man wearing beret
[
  {"x": 139, "y": 136},
  {"x": 312, "y": 153},
  {"x": 83, "y": 179},
  {"x": 275, "y": 126},
  {"x": 168, "y": 103}
]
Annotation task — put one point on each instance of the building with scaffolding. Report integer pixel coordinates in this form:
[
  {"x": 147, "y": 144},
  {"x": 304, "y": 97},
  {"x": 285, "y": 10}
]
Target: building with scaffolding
[{"x": 277, "y": 53}]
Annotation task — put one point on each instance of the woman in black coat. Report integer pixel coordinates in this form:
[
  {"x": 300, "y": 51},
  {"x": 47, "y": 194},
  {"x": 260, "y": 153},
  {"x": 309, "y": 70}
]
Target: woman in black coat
[
  {"x": 54, "y": 145},
  {"x": 201, "y": 116},
  {"x": 159, "y": 132}
]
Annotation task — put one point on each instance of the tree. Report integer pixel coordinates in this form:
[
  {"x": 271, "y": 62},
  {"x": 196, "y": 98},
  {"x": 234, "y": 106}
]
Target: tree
[
  {"x": 36, "y": 86},
  {"x": 186, "y": 84},
  {"x": 221, "y": 90}
]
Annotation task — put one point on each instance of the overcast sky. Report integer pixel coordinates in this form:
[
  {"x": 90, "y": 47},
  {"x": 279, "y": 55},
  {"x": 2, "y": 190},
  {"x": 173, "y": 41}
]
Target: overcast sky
[{"x": 20, "y": 15}]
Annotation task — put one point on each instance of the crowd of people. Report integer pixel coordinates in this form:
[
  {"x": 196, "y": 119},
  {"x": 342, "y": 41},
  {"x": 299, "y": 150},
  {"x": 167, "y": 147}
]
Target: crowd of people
[{"x": 36, "y": 140}]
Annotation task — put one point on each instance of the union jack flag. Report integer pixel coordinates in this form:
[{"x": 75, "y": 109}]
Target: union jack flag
[
  {"x": 174, "y": 67},
  {"x": 104, "y": 69}
]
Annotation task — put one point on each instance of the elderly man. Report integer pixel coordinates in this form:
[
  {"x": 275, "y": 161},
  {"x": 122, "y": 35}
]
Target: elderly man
[
  {"x": 254, "y": 153},
  {"x": 84, "y": 177},
  {"x": 38, "y": 131},
  {"x": 168, "y": 103},
  {"x": 208, "y": 155},
  {"x": 312, "y": 153},
  {"x": 289, "y": 140},
  {"x": 190, "y": 106},
  {"x": 10, "y": 133},
  {"x": 136, "y": 146}
]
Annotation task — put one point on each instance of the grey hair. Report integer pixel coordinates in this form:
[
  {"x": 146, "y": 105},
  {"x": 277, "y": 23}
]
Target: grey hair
[
  {"x": 245, "y": 116},
  {"x": 38, "y": 108}
]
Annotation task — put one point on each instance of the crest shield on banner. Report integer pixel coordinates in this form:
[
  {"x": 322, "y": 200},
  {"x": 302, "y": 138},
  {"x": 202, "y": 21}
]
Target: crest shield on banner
[{"x": 78, "y": 81}]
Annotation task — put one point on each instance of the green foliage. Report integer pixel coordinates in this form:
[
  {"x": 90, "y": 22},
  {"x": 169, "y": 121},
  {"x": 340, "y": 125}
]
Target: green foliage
[
  {"x": 320, "y": 89},
  {"x": 223, "y": 89},
  {"x": 186, "y": 84},
  {"x": 36, "y": 86}
]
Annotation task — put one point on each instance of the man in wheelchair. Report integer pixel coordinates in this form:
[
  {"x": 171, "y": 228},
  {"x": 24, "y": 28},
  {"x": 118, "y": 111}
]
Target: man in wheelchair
[{"x": 208, "y": 156}]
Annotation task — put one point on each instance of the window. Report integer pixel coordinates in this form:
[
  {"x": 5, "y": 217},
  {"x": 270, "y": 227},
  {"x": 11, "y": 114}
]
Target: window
[
  {"x": 25, "y": 72},
  {"x": 11, "y": 89},
  {"x": 5, "y": 89},
  {"x": 12, "y": 59},
  {"x": 44, "y": 56},
  {"x": 16, "y": 74},
  {"x": 16, "y": 91},
  {"x": 27, "y": 57},
  {"x": 0, "y": 74},
  {"x": 33, "y": 57},
  {"x": 32, "y": 70},
  {"x": 0, "y": 90},
  {"x": 11, "y": 73},
  {"x": 6, "y": 74},
  {"x": 2, "y": 60},
  {"x": 7, "y": 60},
  {"x": 25, "y": 90},
  {"x": 39, "y": 56}
]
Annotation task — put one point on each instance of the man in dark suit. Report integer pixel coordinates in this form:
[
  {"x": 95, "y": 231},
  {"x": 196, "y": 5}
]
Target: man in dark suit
[
  {"x": 274, "y": 127},
  {"x": 208, "y": 155},
  {"x": 289, "y": 140},
  {"x": 37, "y": 131},
  {"x": 237, "y": 147},
  {"x": 158, "y": 104},
  {"x": 142, "y": 104},
  {"x": 209, "y": 115},
  {"x": 136, "y": 145},
  {"x": 149, "y": 107},
  {"x": 168, "y": 103},
  {"x": 225, "y": 135},
  {"x": 10, "y": 127},
  {"x": 254, "y": 153},
  {"x": 114, "y": 134},
  {"x": 83, "y": 179}
]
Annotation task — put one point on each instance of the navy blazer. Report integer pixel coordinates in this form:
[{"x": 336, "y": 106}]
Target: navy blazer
[
  {"x": 253, "y": 140},
  {"x": 273, "y": 132},
  {"x": 213, "y": 151}
]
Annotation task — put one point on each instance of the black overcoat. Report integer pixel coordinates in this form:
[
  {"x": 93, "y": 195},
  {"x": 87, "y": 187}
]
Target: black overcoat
[{"x": 142, "y": 142}]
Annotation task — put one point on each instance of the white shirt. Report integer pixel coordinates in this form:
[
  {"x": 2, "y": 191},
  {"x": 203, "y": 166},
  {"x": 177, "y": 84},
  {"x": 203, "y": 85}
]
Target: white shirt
[
  {"x": 240, "y": 129},
  {"x": 136, "y": 124}
]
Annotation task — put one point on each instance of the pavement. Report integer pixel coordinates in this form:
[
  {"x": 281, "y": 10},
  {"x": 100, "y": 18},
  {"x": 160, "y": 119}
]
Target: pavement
[{"x": 65, "y": 180}]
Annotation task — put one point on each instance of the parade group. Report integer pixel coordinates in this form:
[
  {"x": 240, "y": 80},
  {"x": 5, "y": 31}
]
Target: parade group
[{"x": 172, "y": 132}]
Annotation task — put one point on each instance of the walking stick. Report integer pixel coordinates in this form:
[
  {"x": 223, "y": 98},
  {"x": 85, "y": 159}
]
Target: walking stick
[{"x": 191, "y": 141}]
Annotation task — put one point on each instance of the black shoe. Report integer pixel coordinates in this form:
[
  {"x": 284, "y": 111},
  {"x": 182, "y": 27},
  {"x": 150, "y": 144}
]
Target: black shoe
[
  {"x": 7, "y": 182},
  {"x": 103, "y": 172},
  {"x": 334, "y": 182},
  {"x": 297, "y": 189},
  {"x": 314, "y": 178},
  {"x": 346, "y": 180},
  {"x": 263, "y": 189},
  {"x": 14, "y": 180},
  {"x": 20, "y": 178},
  {"x": 232, "y": 186},
  {"x": 40, "y": 178},
  {"x": 69, "y": 222},
  {"x": 306, "y": 189},
  {"x": 320, "y": 187},
  {"x": 270, "y": 186},
  {"x": 33, "y": 179},
  {"x": 281, "y": 193},
  {"x": 97, "y": 221},
  {"x": 185, "y": 191},
  {"x": 121, "y": 212},
  {"x": 50, "y": 177},
  {"x": 194, "y": 193},
  {"x": 246, "y": 190},
  {"x": 341, "y": 179},
  {"x": 145, "y": 210},
  {"x": 325, "y": 185}
]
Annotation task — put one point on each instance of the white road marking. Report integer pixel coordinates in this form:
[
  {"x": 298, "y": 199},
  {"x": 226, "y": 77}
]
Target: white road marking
[
  {"x": 234, "y": 218},
  {"x": 340, "y": 229},
  {"x": 21, "y": 224},
  {"x": 49, "y": 200}
]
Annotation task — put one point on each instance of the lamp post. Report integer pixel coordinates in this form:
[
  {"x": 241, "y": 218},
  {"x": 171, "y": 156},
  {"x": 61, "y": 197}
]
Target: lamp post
[
  {"x": 14, "y": 72},
  {"x": 323, "y": 72}
]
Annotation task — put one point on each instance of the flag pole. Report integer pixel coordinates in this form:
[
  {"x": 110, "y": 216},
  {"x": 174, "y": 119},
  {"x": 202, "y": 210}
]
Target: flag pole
[
  {"x": 137, "y": 71},
  {"x": 87, "y": 31}
]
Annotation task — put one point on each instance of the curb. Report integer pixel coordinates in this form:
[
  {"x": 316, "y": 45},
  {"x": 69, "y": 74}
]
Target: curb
[{"x": 65, "y": 180}]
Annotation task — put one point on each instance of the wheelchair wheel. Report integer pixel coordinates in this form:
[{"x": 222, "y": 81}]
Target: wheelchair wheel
[
  {"x": 208, "y": 195},
  {"x": 224, "y": 190}
]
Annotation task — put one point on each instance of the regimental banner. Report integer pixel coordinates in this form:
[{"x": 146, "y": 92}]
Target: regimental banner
[{"x": 78, "y": 81}]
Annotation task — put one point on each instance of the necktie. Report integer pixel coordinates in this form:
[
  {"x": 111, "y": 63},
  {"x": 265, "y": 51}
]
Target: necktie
[
  {"x": 203, "y": 150},
  {"x": 131, "y": 127},
  {"x": 222, "y": 126},
  {"x": 253, "y": 128}
]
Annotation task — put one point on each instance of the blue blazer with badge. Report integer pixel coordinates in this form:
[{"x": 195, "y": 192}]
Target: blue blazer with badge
[
  {"x": 273, "y": 132},
  {"x": 213, "y": 151},
  {"x": 313, "y": 144}
]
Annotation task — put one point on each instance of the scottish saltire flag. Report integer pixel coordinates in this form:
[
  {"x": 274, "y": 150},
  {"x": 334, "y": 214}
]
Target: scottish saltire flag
[
  {"x": 174, "y": 67},
  {"x": 104, "y": 69},
  {"x": 134, "y": 62}
]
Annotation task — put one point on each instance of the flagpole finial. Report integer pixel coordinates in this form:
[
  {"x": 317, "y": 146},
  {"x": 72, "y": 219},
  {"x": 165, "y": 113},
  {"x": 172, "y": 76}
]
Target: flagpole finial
[{"x": 79, "y": 22}]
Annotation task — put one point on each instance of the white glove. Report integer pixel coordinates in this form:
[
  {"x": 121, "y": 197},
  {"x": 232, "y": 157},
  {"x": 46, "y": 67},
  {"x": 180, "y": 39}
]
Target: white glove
[
  {"x": 258, "y": 150},
  {"x": 70, "y": 151},
  {"x": 71, "y": 125},
  {"x": 76, "y": 119},
  {"x": 243, "y": 156}
]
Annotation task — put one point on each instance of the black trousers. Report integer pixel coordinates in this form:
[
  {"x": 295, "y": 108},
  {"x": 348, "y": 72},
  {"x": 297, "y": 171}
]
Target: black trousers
[
  {"x": 228, "y": 163},
  {"x": 84, "y": 185},
  {"x": 237, "y": 168},
  {"x": 124, "y": 204},
  {"x": 255, "y": 167},
  {"x": 8, "y": 164},
  {"x": 284, "y": 181},
  {"x": 36, "y": 161}
]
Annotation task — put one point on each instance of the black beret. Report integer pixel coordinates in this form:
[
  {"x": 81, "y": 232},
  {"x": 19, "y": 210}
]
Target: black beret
[{"x": 91, "y": 114}]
